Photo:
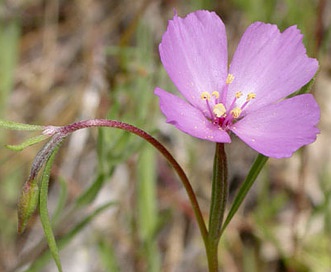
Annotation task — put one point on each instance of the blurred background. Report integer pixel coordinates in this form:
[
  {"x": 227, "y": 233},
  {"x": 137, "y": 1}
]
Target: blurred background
[{"x": 116, "y": 205}]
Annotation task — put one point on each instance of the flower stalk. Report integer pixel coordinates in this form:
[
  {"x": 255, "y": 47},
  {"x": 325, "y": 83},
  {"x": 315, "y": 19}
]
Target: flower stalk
[
  {"x": 62, "y": 132},
  {"x": 219, "y": 195}
]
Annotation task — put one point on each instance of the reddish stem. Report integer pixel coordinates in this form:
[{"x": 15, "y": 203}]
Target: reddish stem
[{"x": 66, "y": 130}]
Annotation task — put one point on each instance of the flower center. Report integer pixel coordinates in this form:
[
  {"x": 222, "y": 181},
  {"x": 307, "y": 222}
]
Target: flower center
[{"x": 218, "y": 113}]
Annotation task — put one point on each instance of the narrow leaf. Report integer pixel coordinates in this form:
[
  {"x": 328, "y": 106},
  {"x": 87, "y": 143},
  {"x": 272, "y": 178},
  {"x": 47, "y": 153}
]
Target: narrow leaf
[
  {"x": 9, "y": 52},
  {"x": 28, "y": 142},
  {"x": 44, "y": 216},
  {"x": 146, "y": 200},
  {"x": 147, "y": 207},
  {"x": 91, "y": 192},
  {"x": 64, "y": 240},
  {"x": 244, "y": 189},
  {"x": 19, "y": 126},
  {"x": 107, "y": 255},
  {"x": 62, "y": 198}
]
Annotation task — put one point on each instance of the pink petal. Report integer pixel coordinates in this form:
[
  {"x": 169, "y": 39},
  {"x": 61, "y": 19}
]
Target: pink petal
[
  {"x": 280, "y": 129},
  {"x": 270, "y": 64},
  {"x": 194, "y": 53},
  {"x": 189, "y": 119}
]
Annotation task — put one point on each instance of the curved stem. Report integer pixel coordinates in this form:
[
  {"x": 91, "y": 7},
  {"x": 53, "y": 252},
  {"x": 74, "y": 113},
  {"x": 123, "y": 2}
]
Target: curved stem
[{"x": 66, "y": 130}]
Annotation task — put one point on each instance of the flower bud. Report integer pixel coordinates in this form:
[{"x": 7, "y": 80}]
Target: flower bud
[{"x": 27, "y": 204}]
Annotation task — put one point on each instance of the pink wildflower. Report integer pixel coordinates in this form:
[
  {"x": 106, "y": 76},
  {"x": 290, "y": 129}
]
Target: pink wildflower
[{"x": 249, "y": 98}]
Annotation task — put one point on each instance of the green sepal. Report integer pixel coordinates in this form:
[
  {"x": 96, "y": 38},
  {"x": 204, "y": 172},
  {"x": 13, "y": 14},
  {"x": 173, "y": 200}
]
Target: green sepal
[
  {"x": 27, "y": 204},
  {"x": 26, "y": 143},
  {"x": 19, "y": 126}
]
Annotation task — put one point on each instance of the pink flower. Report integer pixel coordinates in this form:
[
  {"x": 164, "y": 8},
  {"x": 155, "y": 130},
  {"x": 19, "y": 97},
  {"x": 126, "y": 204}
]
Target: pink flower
[{"x": 249, "y": 98}]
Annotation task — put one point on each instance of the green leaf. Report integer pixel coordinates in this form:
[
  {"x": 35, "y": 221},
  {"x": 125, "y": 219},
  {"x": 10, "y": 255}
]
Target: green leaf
[
  {"x": 28, "y": 142},
  {"x": 84, "y": 222},
  {"x": 146, "y": 193},
  {"x": 107, "y": 255},
  {"x": 64, "y": 240},
  {"x": 147, "y": 207},
  {"x": 91, "y": 193},
  {"x": 62, "y": 198},
  {"x": 19, "y": 126},
  {"x": 44, "y": 217},
  {"x": 244, "y": 189},
  {"x": 9, "y": 52}
]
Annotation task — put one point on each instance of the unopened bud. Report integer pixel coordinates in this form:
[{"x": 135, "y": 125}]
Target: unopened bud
[{"x": 27, "y": 204}]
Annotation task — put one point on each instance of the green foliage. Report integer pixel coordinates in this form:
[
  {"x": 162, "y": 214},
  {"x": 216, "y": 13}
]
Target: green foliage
[
  {"x": 258, "y": 10},
  {"x": 28, "y": 142},
  {"x": 284, "y": 13},
  {"x": 245, "y": 187},
  {"x": 147, "y": 215},
  {"x": 19, "y": 126},
  {"x": 108, "y": 256},
  {"x": 44, "y": 216},
  {"x": 9, "y": 40},
  {"x": 117, "y": 146},
  {"x": 61, "y": 203},
  {"x": 64, "y": 240},
  {"x": 91, "y": 192}
]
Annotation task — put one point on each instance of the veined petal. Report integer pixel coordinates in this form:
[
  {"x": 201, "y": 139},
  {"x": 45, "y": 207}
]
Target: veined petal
[
  {"x": 189, "y": 119},
  {"x": 270, "y": 64},
  {"x": 194, "y": 53},
  {"x": 280, "y": 129}
]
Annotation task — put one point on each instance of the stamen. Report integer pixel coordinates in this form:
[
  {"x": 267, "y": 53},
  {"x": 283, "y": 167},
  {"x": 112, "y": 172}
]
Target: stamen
[
  {"x": 250, "y": 96},
  {"x": 219, "y": 110},
  {"x": 216, "y": 94},
  {"x": 229, "y": 78},
  {"x": 236, "y": 112},
  {"x": 205, "y": 96},
  {"x": 239, "y": 94}
]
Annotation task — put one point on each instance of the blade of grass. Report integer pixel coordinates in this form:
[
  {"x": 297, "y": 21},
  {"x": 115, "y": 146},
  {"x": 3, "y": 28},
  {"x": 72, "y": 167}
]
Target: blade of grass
[
  {"x": 147, "y": 203},
  {"x": 107, "y": 256},
  {"x": 9, "y": 52},
  {"x": 146, "y": 192}
]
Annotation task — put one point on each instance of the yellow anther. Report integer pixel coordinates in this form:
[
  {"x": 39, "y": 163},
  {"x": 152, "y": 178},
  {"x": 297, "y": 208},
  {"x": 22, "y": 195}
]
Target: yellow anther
[
  {"x": 205, "y": 96},
  {"x": 219, "y": 110},
  {"x": 236, "y": 112},
  {"x": 216, "y": 94},
  {"x": 239, "y": 94},
  {"x": 250, "y": 96},
  {"x": 229, "y": 78}
]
